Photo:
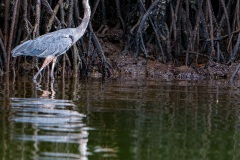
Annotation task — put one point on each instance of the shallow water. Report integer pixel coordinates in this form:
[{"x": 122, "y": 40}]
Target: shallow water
[{"x": 119, "y": 119}]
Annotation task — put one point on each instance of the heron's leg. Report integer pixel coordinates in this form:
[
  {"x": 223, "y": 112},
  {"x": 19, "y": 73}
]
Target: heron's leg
[
  {"x": 45, "y": 63},
  {"x": 53, "y": 65}
]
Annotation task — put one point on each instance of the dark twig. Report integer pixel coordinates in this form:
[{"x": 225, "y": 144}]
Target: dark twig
[
  {"x": 235, "y": 50},
  {"x": 139, "y": 31},
  {"x": 50, "y": 22},
  {"x": 119, "y": 14},
  {"x": 95, "y": 8},
  {"x": 37, "y": 19},
  {"x": 211, "y": 27},
  {"x": 6, "y": 17},
  {"x": 234, "y": 74},
  {"x": 106, "y": 66},
  {"x": 3, "y": 49},
  {"x": 13, "y": 24},
  {"x": 53, "y": 17}
]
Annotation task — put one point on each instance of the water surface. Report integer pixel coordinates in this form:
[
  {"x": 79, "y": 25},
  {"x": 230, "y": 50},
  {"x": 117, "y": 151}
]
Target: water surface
[{"x": 119, "y": 119}]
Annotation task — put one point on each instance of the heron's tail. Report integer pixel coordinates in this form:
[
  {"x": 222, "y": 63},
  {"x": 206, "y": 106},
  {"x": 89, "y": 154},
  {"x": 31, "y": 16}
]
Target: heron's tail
[{"x": 21, "y": 49}]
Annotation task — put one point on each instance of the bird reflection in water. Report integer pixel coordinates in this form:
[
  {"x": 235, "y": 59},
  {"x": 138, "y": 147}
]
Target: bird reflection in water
[{"x": 53, "y": 122}]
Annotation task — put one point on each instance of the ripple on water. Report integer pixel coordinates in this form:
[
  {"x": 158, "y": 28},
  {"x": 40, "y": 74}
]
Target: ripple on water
[{"x": 54, "y": 117}]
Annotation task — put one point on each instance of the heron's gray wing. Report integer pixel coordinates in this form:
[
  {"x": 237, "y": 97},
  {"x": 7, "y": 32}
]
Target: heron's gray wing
[{"x": 54, "y": 43}]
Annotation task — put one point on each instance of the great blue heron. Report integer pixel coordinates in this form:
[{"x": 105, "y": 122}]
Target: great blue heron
[{"x": 54, "y": 44}]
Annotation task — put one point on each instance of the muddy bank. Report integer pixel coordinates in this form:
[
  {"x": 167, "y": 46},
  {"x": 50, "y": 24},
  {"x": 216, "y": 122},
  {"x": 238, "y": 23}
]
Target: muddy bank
[{"x": 128, "y": 66}]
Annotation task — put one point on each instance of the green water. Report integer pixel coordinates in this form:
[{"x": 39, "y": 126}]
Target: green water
[{"x": 120, "y": 119}]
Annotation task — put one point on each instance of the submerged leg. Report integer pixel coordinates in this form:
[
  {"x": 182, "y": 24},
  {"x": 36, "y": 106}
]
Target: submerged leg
[
  {"x": 53, "y": 65},
  {"x": 45, "y": 63}
]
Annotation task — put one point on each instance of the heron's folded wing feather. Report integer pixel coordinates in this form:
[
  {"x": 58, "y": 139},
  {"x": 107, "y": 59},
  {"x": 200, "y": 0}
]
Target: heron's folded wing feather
[{"x": 53, "y": 43}]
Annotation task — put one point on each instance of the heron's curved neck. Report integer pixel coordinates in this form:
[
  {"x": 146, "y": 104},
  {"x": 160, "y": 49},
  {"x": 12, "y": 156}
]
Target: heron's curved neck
[{"x": 83, "y": 26}]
